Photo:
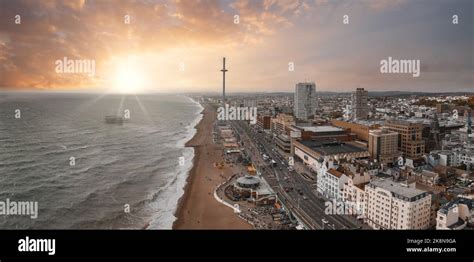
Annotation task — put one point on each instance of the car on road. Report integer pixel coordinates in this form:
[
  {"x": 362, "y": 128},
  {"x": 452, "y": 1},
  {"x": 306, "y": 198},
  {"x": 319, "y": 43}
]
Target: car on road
[{"x": 305, "y": 198}]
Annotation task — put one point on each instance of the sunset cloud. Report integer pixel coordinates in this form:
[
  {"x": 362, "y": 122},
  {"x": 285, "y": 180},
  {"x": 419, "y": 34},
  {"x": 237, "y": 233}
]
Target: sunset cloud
[{"x": 163, "y": 34}]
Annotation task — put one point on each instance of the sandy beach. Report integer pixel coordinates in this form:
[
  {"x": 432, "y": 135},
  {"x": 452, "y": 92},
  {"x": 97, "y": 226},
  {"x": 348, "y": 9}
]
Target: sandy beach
[{"x": 197, "y": 208}]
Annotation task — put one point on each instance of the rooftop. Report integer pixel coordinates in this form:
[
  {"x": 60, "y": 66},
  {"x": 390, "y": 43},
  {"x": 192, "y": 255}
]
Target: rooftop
[
  {"x": 428, "y": 173},
  {"x": 248, "y": 180},
  {"x": 364, "y": 122},
  {"x": 403, "y": 122},
  {"x": 457, "y": 201},
  {"x": 397, "y": 188},
  {"x": 334, "y": 172},
  {"x": 382, "y": 131},
  {"x": 331, "y": 147},
  {"x": 318, "y": 129},
  {"x": 362, "y": 185}
]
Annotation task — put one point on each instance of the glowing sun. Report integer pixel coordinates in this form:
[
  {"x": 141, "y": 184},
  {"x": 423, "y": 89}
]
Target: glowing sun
[{"x": 128, "y": 77}]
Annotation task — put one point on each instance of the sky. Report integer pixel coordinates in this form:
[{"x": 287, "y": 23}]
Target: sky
[{"x": 178, "y": 45}]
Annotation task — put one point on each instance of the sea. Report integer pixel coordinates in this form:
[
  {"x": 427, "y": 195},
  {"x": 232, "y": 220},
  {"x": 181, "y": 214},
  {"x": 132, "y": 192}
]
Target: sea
[{"x": 57, "y": 150}]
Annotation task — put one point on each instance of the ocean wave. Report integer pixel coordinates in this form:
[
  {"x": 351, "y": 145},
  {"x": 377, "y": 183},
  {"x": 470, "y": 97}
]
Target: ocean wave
[
  {"x": 165, "y": 208},
  {"x": 164, "y": 202},
  {"x": 112, "y": 167},
  {"x": 18, "y": 163}
]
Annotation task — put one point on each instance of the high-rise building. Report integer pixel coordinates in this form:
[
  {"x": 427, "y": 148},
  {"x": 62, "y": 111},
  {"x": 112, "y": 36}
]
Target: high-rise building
[
  {"x": 469, "y": 127},
  {"x": 435, "y": 132},
  {"x": 360, "y": 107},
  {"x": 391, "y": 205},
  {"x": 264, "y": 122},
  {"x": 383, "y": 145},
  {"x": 305, "y": 100},
  {"x": 410, "y": 141}
]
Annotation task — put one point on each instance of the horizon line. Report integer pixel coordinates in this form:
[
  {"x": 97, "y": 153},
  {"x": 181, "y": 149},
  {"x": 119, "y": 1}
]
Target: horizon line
[{"x": 217, "y": 92}]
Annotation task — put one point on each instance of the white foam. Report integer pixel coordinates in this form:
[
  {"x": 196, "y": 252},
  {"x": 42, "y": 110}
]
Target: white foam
[{"x": 165, "y": 207}]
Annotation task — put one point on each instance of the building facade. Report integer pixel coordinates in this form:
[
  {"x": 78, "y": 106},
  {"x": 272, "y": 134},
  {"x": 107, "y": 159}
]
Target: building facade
[
  {"x": 360, "y": 107},
  {"x": 391, "y": 205},
  {"x": 410, "y": 141},
  {"x": 264, "y": 122},
  {"x": 305, "y": 102},
  {"x": 360, "y": 129},
  {"x": 455, "y": 214},
  {"x": 354, "y": 189},
  {"x": 383, "y": 145},
  {"x": 281, "y": 122},
  {"x": 283, "y": 142},
  {"x": 331, "y": 182},
  {"x": 313, "y": 153}
]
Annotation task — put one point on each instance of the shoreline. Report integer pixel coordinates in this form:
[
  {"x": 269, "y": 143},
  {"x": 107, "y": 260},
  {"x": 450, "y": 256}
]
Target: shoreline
[{"x": 197, "y": 208}]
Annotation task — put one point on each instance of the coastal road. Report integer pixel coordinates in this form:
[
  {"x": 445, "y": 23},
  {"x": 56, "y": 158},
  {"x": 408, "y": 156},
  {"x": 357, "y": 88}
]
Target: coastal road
[{"x": 303, "y": 199}]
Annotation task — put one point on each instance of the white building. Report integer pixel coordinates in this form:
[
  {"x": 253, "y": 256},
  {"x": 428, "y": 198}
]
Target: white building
[
  {"x": 354, "y": 189},
  {"x": 455, "y": 214},
  {"x": 305, "y": 100},
  {"x": 466, "y": 157},
  {"x": 332, "y": 184},
  {"x": 391, "y": 205},
  {"x": 457, "y": 157}
]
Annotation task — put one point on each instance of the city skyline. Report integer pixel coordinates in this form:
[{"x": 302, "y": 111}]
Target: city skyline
[
  {"x": 177, "y": 46},
  {"x": 125, "y": 121}
]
